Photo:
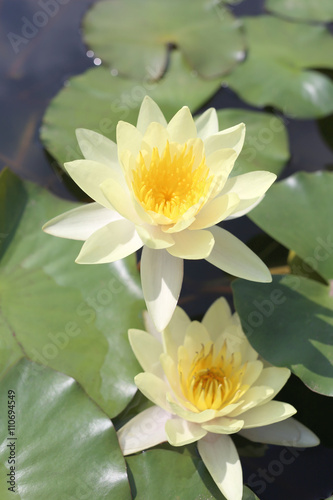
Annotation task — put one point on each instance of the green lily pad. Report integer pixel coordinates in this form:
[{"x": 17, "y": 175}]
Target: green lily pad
[
  {"x": 69, "y": 317},
  {"x": 206, "y": 33},
  {"x": 187, "y": 477},
  {"x": 303, "y": 10},
  {"x": 276, "y": 71},
  {"x": 290, "y": 323},
  {"x": 13, "y": 198},
  {"x": 298, "y": 212},
  {"x": 266, "y": 140},
  {"x": 97, "y": 100},
  {"x": 63, "y": 445}
]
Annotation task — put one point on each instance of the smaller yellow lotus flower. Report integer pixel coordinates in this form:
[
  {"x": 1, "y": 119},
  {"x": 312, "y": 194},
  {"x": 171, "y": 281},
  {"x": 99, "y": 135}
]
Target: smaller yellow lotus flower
[
  {"x": 207, "y": 382},
  {"x": 164, "y": 187}
]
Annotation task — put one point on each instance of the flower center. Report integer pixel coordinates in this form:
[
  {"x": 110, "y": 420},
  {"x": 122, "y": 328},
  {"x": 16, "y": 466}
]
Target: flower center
[
  {"x": 213, "y": 382},
  {"x": 168, "y": 184}
]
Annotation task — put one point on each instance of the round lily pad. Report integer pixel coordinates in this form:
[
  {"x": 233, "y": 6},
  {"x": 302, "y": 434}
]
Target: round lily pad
[
  {"x": 61, "y": 445},
  {"x": 279, "y": 71},
  {"x": 133, "y": 36},
  {"x": 302, "y": 10}
]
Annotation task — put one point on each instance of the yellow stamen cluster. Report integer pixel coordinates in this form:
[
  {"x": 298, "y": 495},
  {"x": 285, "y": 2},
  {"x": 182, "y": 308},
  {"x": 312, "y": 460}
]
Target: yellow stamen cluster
[
  {"x": 213, "y": 382},
  {"x": 168, "y": 184}
]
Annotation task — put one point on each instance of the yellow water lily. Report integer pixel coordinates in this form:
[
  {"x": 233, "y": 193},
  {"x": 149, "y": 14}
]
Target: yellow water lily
[
  {"x": 206, "y": 382},
  {"x": 164, "y": 187}
]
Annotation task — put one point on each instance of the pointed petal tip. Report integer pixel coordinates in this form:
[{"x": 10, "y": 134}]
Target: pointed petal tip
[
  {"x": 160, "y": 322},
  {"x": 81, "y": 130},
  {"x": 220, "y": 456}
]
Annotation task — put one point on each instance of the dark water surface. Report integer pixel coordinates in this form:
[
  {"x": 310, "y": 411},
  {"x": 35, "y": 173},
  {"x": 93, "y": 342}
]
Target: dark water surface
[{"x": 35, "y": 63}]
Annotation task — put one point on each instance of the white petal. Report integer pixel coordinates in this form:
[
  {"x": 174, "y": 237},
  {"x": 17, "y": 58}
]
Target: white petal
[
  {"x": 147, "y": 350},
  {"x": 181, "y": 224},
  {"x": 144, "y": 430},
  {"x": 154, "y": 237},
  {"x": 221, "y": 162},
  {"x": 196, "y": 336},
  {"x": 112, "y": 242},
  {"x": 190, "y": 416},
  {"x": 97, "y": 147},
  {"x": 192, "y": 244},
  {"x": 252, "y": 372},
  {"x": 249, "y": 186},
  {"x": 240, "y": 340},
  {"x": 220, "y": 456},
  {"x": 174, "y": 334},
  {"x": 119, "y": 198},
  {"x": 217, "y": 317},
  {"x": 181, "y": 127},
  {"x": 161, "y": 279},
  {"x": 267, "y": 414},
  {"x": 150, "y": 327},
  {"x": 81, "y": 222},
  {"x": 149, "y": 112},
  {"x": 235, "y": 258},
  {"x": 253, "y": 397},
  {"x": 156, "y": 136},
  {"x": 244, "y": 207},
  {"x": 171, "y": 373},
  {"x": 273, "y": 377},
  {"x": 215, "y": 211},
  {"x": 180, "y": 432},
  {"x": 289, "y": 432},
  {"x": 232, "y": 137},
  {"x": 154, "y": 388},
  {"x": 89, "y": 175},
  {"x": 223, "y": 425},
  {"x": 207, "y": 124},
  {"x": 128, "y": 139}
]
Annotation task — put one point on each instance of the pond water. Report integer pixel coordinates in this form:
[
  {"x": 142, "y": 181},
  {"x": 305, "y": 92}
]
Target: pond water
[{"x": 37, "y": 56}]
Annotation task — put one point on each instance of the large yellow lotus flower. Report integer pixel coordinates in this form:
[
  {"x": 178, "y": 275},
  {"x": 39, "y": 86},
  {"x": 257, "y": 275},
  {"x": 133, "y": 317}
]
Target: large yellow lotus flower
[
  {"x": 207, "y": 382},
  {"x": 164, "y": 187}
]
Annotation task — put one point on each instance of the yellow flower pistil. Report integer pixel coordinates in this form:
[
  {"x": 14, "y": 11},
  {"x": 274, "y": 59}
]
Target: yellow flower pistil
[
  {"x": 213, "y": 382},
  {"x": 169, "y": 185}
]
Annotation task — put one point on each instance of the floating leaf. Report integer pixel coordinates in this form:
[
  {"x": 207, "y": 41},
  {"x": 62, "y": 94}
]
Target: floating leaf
[
  {"x": 206, "y": 33},
  {"x": 69, "y": 317},
  {"x": 97, "y": 100},
  {"x": 13, "y": 198},
  {"x": 63, "y": 445},
  {"x": 290, "y": 323},
  {"x": 266, "y": 141},
  {"x": 298, "y": 212},
  {"x": 303, "y": 10},
  {"x": 276, "y": 70},
  {"x": 187, "y": 478}
]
